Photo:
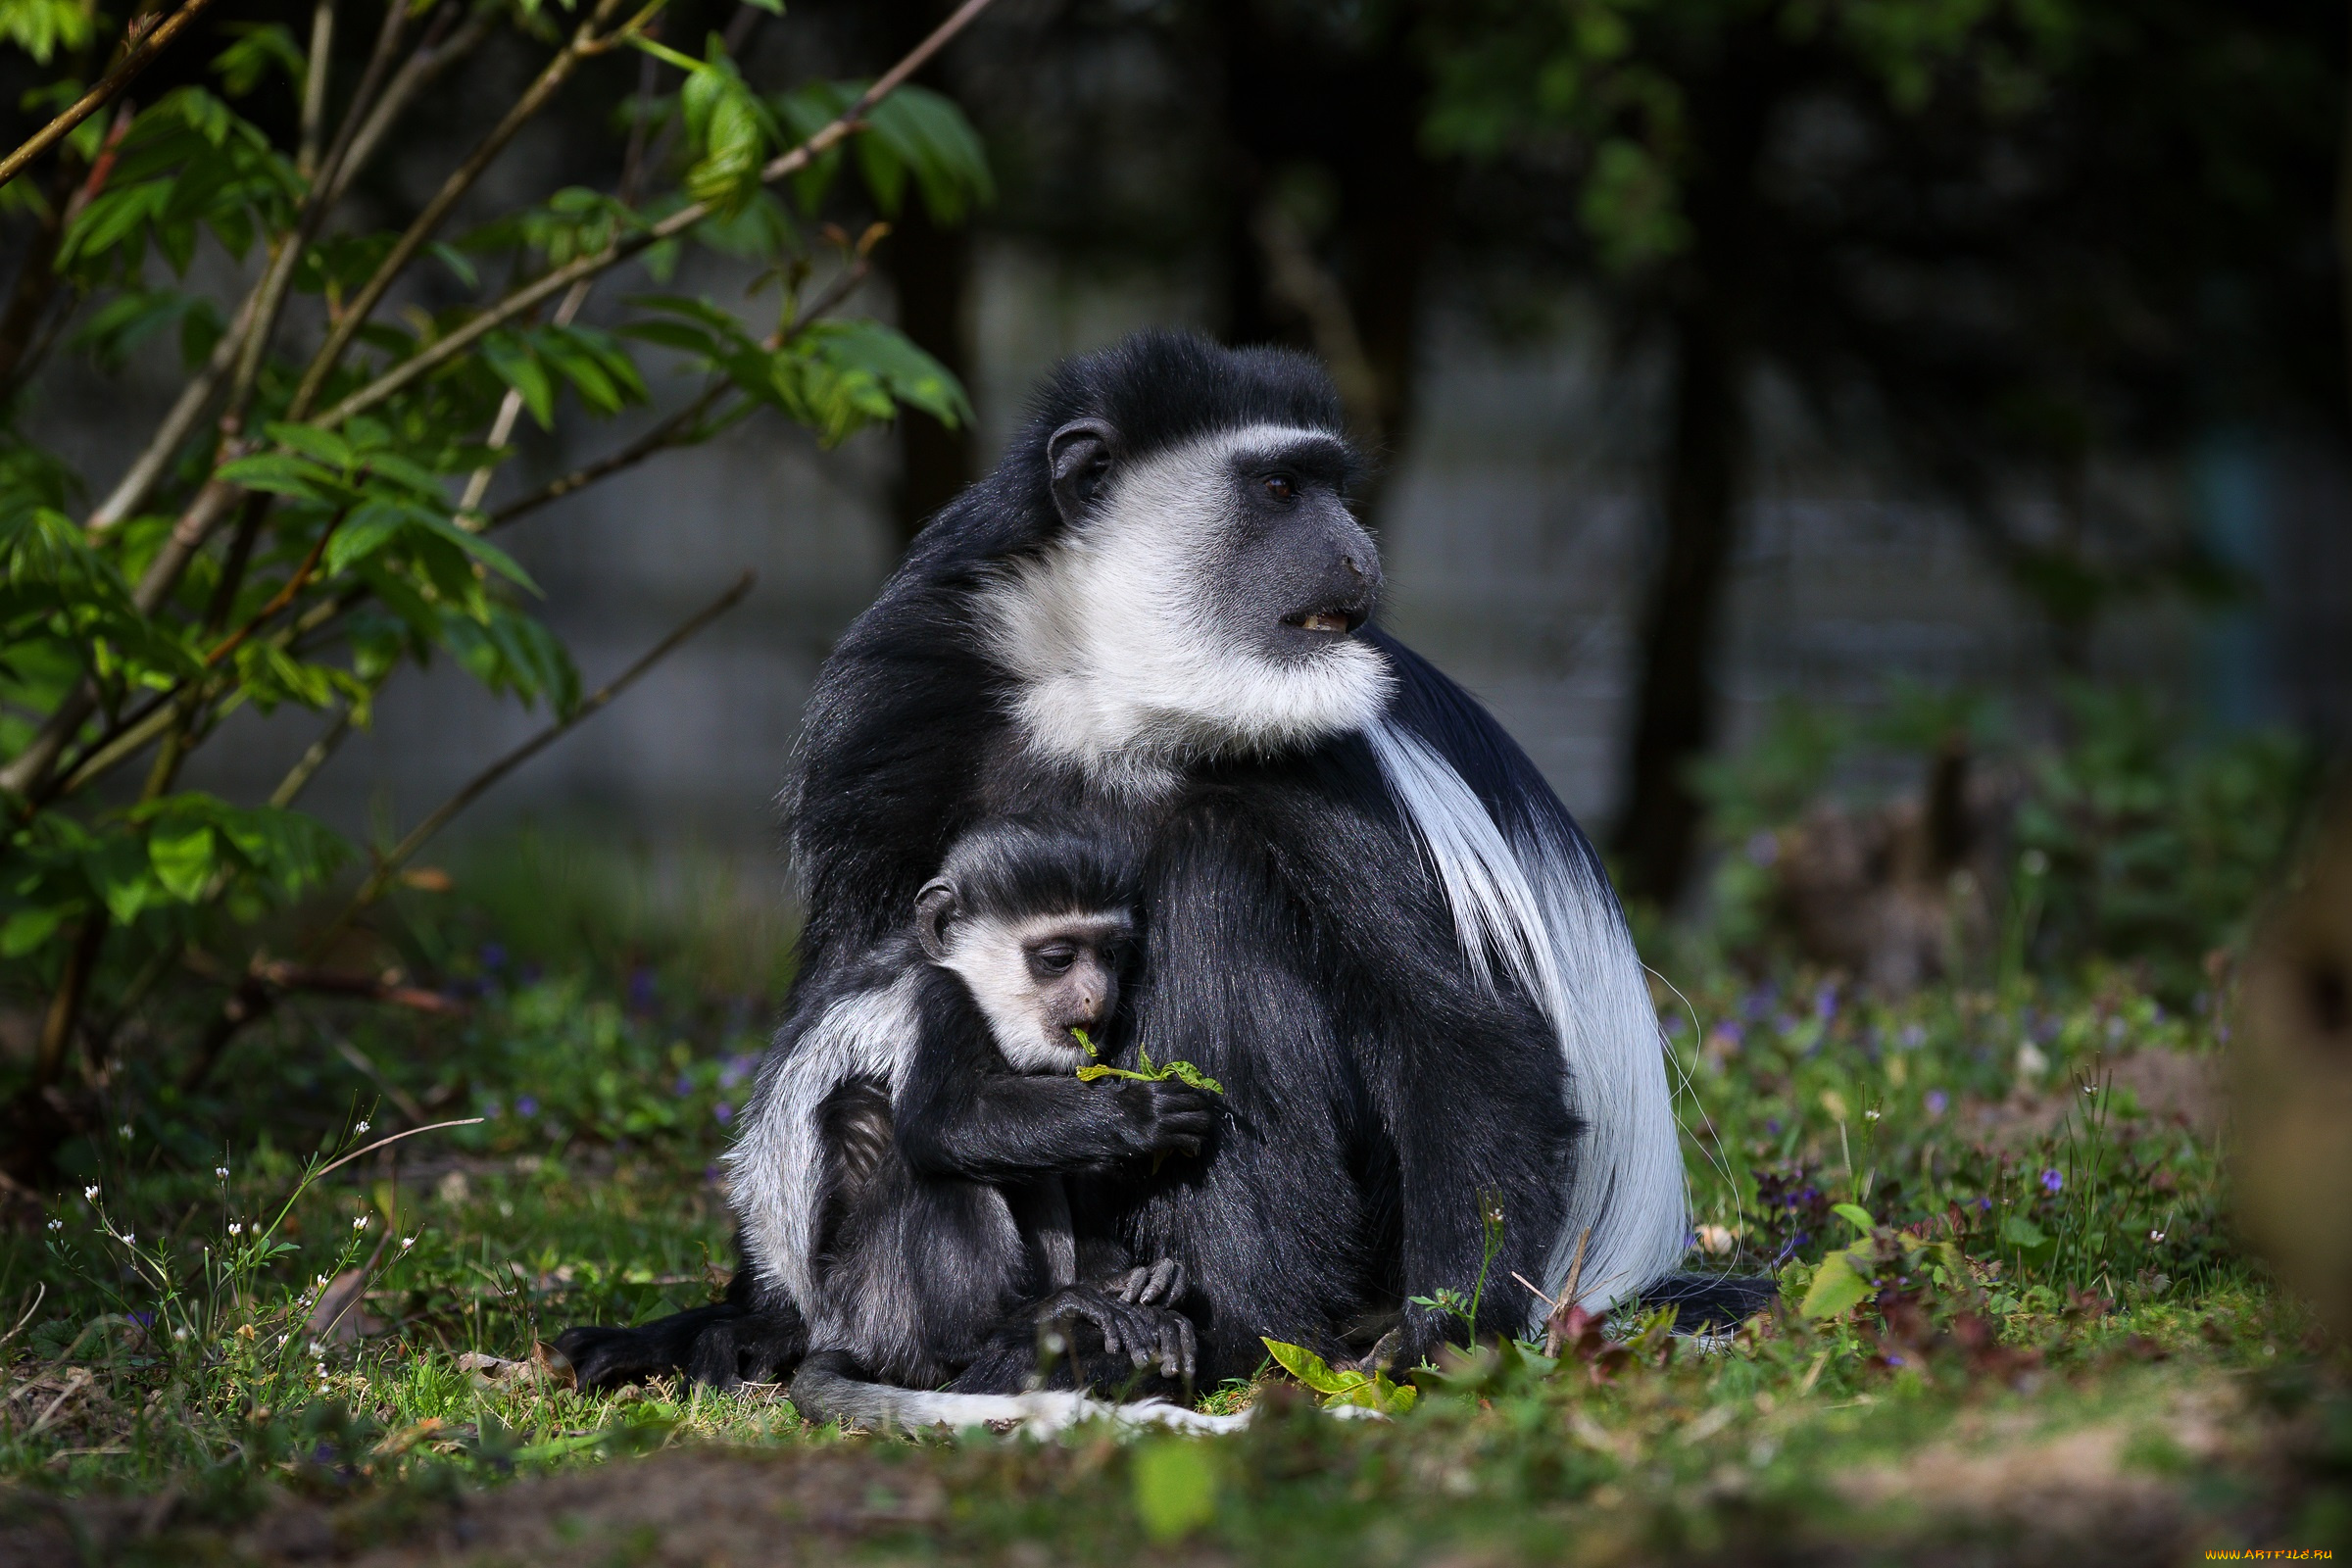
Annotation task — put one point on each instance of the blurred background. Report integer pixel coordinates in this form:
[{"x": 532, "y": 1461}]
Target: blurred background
[
  {"x": 1886, "y": 460},
  {"x": 1735, "y": 368}
]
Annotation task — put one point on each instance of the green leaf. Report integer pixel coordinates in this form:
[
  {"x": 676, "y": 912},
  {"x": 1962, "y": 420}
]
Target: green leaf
[
  {"x": 1308, "y": 1367},
  {"x": 520, "y": 368},
  {"x": 41, "y": 27},
  {"x": 278, "y": 473},
  {"x": 312, "y": 442},
  {"x": 1837, "y": 1288},
  {"x": 1186, "y": 1072},
  {"x": 1856, "y": 1215},
  {"x": 261, "y": 46},
  {"x": 1175, "y": 1487},
  {"x": 371, "y": 526},
  {"x": 183, "y": 858},
  {"x": 28, "y": 929},
  {"x": 2020, "y": 1231}
]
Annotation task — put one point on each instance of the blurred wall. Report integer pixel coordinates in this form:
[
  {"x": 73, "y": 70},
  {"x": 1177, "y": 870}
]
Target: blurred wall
[{"x": 1516, "y": 529}]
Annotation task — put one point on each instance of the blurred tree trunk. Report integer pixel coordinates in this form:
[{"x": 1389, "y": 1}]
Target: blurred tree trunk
[
  {"x": 930, "y": 270},
  {"x": 1676, "y": 705},
  {"x": 1352, "y": 114}
]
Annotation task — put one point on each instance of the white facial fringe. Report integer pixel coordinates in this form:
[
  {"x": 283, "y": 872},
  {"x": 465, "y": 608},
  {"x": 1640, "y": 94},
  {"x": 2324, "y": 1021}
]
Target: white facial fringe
[{"x": 1125, "y": 667}]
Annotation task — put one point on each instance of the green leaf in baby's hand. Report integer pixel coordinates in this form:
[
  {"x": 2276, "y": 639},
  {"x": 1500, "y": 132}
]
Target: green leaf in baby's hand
[
  {"x": 1186, "y": 1072},
  {"x": 1145, "y": 1072}
]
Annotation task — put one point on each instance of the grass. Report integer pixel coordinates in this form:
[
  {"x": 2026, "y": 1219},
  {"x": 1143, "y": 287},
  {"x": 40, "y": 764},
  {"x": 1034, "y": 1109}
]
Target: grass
[{"x": 2068, "y": 1358}]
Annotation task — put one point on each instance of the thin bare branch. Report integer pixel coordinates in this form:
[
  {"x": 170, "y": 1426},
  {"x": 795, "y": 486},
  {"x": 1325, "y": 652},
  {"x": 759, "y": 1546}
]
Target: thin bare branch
[
  {"x": 314, "y": 758},
  {"x": 146, "y": 39},
  {"x": 313, "y": 87},
  {"x": 481, "y": 783},
  {"x": 147, "y": 470},
  {"x": 432, "y": 57}
]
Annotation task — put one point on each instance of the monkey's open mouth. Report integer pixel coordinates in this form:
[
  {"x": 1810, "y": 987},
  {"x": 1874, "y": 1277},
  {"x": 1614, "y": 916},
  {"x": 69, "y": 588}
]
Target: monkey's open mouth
[{"x": 1331, "y": 621}]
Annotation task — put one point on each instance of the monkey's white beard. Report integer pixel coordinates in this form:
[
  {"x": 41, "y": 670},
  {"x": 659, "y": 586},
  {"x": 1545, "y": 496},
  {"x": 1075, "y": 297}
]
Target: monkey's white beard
[{"x": 1126, "y": 666}]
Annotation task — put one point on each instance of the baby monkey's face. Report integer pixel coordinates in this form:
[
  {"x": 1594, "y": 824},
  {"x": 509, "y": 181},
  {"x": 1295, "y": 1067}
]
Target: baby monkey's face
[{"x": 1074, "y": 971}]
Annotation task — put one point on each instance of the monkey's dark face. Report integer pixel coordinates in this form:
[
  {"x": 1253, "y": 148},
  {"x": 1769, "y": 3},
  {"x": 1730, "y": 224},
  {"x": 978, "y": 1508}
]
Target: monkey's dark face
[
  {"x": 1202, "y": 600},
  {"x": 1076, "y": 977},
  {"x": 1296, "y": 567}
]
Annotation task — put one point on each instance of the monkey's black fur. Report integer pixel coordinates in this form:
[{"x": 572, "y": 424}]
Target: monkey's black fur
[{"x": 1382, "y": 1089}]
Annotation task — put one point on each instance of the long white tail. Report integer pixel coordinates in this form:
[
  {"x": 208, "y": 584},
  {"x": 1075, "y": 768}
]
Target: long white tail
[
  {"x": 1535, "y": 901},
  {"x": 821, "y": 1394}
]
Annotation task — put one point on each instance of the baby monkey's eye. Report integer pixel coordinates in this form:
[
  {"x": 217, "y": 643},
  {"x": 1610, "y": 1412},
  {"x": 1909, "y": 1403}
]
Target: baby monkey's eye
[
  {"x": 1280, "y": 486},
  {"x": 1053, "y": 960}
]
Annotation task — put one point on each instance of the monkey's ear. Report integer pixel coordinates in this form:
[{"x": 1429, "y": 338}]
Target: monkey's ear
[
  {"x": 1078, "y": 455},
  {"x": 934, "y": 907}
]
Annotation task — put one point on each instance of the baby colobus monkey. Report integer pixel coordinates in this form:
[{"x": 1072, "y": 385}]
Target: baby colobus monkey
[{"x": 947, "y": 1237}]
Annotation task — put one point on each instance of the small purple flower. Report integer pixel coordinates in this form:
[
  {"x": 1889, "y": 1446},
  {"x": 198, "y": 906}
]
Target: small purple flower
[
  {"x": 683, "y": 1087},
  {"x": 493, "y": 1109},
  {"x": 1939, "y": 1101},
  {"x": 1772, "y": 1125},
  {"x": 723, "y": 1112},
  {"x": 1913, "y": 1036},
  {"x": 1825, "y": 1003},
  {"x": 1894, "y": 1359},
  {"x": 527, "y": 1105},
  {"x": 494, "y": 956},
  {"x": 2052, "y": 1183},
  {"x": 641, "y": 990},
  {"x": 144, "y": 1321},
  {"x": 1984, "y": 1205},
  {"x": 736, "y": 1069}
]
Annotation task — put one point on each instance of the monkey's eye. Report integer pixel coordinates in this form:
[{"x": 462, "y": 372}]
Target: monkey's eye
[
  {"x": 1053, "y": 960},
  {"x": 1280, "y": 486}
]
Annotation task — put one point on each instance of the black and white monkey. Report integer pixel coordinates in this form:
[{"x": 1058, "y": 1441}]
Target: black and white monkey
[
  {"x": 947, "y": 1236},
  {"x": 1364, "y": 910},
  {"x": 946, "y": 1233}
]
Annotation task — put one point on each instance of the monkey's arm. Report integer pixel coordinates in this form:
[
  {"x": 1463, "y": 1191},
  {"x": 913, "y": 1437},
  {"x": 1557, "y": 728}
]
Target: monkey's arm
[{"x": 1002, "y": 1126}]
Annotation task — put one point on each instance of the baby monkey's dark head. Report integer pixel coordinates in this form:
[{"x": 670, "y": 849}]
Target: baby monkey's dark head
[{"x": 1037, "y": 922}]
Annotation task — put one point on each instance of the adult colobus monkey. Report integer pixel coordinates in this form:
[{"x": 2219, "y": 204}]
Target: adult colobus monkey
[{"x": 1364, "y": 910}]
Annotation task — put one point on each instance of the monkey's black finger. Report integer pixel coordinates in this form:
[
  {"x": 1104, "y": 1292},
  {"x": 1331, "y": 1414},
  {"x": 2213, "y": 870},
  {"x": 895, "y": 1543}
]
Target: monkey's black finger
[
  {"x": 1167, "y": 1283},
  {"x": 1192, "y": 1347}
]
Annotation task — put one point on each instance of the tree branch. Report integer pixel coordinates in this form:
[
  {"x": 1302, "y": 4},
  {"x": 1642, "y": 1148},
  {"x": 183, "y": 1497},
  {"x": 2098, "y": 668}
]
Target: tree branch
[
  {"x": 622, "y": 249},
  {"x": 428, "y": 222},
  {"x": 145, "y": 39},
  {"x": 674, "y": 430},
  {"x": 253, "y": 996},
  {"x": 482, "y": 782}
]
